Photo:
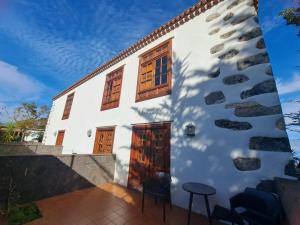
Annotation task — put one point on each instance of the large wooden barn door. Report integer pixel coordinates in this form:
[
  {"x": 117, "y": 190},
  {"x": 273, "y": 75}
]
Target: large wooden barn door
[
  {"x": 104, "y": 140},
  {"x": 150, "y": 152}
]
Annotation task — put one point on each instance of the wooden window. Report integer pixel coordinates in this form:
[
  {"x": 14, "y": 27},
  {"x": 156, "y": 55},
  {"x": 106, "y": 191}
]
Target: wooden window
[
  {"x": 60, "y": 138},
  {"x": 155, "y": 72},
  {"x": 68, "y": 106},
  {"x": 112, "y": 89},
  {"x": 104, "y": 140}
]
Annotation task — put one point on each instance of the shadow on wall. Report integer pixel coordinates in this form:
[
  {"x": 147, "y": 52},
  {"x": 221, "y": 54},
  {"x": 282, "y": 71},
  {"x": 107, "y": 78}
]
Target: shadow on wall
[
  {"x": 235, "y": 108},
  {"x": 33, "y": 177}
]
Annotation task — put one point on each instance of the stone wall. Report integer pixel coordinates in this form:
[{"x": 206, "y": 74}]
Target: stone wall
[
  {"x": 29, "y": 149},
  {"x": 251, "y": 78},
  {"x": 39, "y": 176}
]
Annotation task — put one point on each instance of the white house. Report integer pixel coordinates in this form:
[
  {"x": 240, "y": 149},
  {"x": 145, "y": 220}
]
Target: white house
[{"x": 196, "y": 98}]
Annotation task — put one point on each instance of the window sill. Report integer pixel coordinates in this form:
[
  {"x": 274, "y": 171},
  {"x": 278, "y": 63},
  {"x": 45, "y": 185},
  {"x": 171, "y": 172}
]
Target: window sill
[{"x": 161, "y": 94}]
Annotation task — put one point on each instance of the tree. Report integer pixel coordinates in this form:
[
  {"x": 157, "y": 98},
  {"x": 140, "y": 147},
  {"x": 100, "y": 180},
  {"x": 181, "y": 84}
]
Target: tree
[
  {"x": 292, "y": 16},
  {"x": 29, "y": 116},
  {"x": 8, "y": 135}
]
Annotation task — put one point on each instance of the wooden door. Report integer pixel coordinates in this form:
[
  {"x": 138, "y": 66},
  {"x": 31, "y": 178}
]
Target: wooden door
[
  {"x": 150, "y": 152},
  {"x": 60, "y": 138},
  {"x": 104, "y": 140}
]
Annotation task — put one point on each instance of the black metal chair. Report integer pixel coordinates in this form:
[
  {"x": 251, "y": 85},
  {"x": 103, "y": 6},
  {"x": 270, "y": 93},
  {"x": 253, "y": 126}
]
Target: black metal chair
[
  {"x": 256, "y": 207},
  {"x": 158, "y": 188}
]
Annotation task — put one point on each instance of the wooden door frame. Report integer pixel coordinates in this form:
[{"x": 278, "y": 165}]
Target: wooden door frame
[{"x": 106, "y": 128}]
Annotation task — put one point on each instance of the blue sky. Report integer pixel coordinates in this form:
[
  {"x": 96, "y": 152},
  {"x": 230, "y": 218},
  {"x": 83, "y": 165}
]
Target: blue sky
[{"x": 47, "y": 45}]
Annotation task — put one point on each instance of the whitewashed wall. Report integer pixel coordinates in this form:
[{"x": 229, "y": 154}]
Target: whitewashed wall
[{"x": 208, "y": 157}]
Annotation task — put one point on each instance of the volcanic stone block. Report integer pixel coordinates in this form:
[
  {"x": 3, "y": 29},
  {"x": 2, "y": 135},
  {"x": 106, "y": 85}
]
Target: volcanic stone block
[
  {"x": 228, "y": 34},
  {"x": 269, "y": 70},
  {"x": 247, "y": 164},
  {"x": 233, "y": 125},
  {"x": 276, "y": 144},
  {"x": 241, "y": 18},
  {"x": 264, "y": 87},
  {"x": 235, "y": 3},
  {"x": 235, "y": 79},
  {"x": 212, "y": 17},
  {"x": 228, "y": 16},
  {"x": 256, "y": 20},
  {"x": 215, "y": 73},
  {"x": 229, "y": 54},
  {"x": 280, "y": 124},
  {"x": 256, "y": 32},
  {"x": 215, "y": 98},
  {"x": 217, "y": 48},
  {"x": 214, "y": 31},
  {"x": 240, "y": 104},
  {"x": 261, "y": 44},
  {"x": 252, "y": 60},
  {"x": 256, "y": 110}
]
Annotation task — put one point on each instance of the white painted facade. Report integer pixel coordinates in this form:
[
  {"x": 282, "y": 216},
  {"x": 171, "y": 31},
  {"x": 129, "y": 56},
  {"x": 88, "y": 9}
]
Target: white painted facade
[{"x": 207, "y": 157}]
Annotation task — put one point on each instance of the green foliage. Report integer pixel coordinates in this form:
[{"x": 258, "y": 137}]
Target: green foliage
[
  {"x": 8, "y": 135},
  {"x": 27, "y": 115},
  {"x": 291, "y": 15},
  {"x": 22, "y": 215}
]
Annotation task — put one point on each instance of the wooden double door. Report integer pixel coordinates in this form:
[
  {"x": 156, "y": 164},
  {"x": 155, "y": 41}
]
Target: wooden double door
[
  {"x": 104, "y": 140},
  {"x": 150, "y": 152}
]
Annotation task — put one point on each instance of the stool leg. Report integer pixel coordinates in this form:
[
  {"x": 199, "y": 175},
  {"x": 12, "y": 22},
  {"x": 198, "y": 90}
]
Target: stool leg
[
  {"x": 170, "y": 200},
  {"x": 143, "y": 200},
  {"x": 164, "y": 210},
  {"x": 208, "y": 209},
  {"x": 190, "y": 209}
]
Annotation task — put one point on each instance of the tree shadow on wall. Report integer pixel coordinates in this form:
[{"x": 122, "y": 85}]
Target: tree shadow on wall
[{"x": 207, "y": 157}]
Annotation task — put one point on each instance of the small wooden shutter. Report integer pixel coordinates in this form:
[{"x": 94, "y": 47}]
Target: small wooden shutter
[
  {"x": 104, "y": 141},
  {"x": 68, "y": 106},
  {"x": 146, "y": 78},
  {"x": 112, "y": 89},
  {"x": 146, "y": 86},
  {"x": 60, "y": 138}
]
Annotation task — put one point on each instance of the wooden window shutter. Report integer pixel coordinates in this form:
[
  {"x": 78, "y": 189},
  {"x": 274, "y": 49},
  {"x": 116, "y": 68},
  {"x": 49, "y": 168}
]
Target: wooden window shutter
[
  {"x": 112, "y": 89},
  {"x": 155, "y": 72},
  {"x": 68, "y": 106}
]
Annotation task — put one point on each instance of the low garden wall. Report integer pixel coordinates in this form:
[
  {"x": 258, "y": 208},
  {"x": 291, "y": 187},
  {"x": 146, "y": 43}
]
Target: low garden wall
[
  {"x": 29, "y": 149},
  {"x": 34, "y": 177}
]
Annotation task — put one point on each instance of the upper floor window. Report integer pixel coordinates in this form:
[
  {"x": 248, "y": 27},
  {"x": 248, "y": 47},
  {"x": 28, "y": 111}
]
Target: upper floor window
[
  {"x": 155, "y": 72},
  {"x": 112, "y": 89},
  {"x": 68, "y": 106}
]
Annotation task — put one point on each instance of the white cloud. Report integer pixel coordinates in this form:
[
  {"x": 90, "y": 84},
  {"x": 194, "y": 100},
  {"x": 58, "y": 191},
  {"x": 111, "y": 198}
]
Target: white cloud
[
  {"x": 17, "y": 86},
  {"x": 86, "y": 42},
  {"x": 289, "y": 86},
  {"x": 270, "y": 23}
]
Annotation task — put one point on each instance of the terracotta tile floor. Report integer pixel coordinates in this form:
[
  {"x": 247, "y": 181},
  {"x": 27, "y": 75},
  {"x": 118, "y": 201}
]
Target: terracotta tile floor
[{"x": 109, "y": 204}]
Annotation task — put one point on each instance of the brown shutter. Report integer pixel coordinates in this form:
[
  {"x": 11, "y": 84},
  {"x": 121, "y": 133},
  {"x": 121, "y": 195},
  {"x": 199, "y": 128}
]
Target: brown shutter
[
  {"x": 111, "y": 97},
  {"x": 60, "y": 138},
  {"x": 68, "y": 106},
  {"x": 146, "y": 88}
]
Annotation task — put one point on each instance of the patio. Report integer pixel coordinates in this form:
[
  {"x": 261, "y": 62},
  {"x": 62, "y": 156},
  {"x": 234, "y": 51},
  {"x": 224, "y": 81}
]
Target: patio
[{"x": 109, "y": 204}]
